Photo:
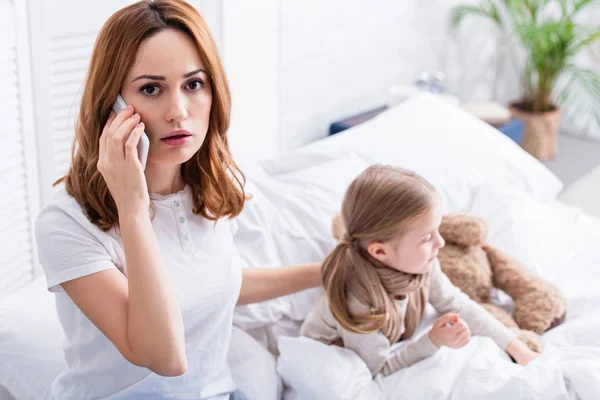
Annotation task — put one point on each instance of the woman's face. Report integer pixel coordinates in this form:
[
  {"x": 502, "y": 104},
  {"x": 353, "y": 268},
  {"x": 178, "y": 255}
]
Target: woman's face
[{"x": 169, "y": 88}]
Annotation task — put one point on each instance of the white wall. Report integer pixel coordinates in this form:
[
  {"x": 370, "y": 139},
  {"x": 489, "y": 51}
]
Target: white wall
[
  {"x": 338, "y": 57},
  {"x": 296, "y": 66},
  {"x": 249, "y": 52}
]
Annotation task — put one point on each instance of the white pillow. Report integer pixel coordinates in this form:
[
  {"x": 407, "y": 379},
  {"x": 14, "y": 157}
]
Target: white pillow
[
  {"x": 5, "y": 394},
  {"x": 288, "y": 222},
  {"x": 31, "y": 354},
  {"x": 556, "y": 241},
  {"x": 584, "y": 193},
  {"x": 313, "y": 370},
  {"x": 253, "y": 367},
  {"x": 454, "y": 150}
]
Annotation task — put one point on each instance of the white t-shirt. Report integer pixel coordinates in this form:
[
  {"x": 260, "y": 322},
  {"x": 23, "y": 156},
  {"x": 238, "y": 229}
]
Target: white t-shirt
[{"x": 201, "y": 264}]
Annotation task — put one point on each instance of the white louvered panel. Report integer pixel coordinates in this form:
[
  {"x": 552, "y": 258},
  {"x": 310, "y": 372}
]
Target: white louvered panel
[
  {"x": 16, "y": 262},
  {"x": 69, "y": 43},
  {"x": 69, "y": 57}
]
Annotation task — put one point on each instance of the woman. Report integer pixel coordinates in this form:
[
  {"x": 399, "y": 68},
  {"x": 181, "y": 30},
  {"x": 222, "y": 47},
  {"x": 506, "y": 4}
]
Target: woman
[{"x": 142, "y": 260}]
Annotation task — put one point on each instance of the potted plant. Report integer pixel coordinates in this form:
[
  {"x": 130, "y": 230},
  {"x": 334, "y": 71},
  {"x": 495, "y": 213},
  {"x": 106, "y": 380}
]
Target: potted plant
[{"x": 548, "y": 40}]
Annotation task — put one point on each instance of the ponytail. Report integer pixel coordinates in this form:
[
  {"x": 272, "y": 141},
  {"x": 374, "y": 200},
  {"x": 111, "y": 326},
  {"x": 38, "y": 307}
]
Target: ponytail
[
  {"x": 379, "y": 205},
  {"x": 339, "y": 268}
]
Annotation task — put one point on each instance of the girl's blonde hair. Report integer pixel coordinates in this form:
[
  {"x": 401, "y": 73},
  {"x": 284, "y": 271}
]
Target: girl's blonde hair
[
  {"x": 215, "y": 179},
  {"x": 381, "y": 203}
]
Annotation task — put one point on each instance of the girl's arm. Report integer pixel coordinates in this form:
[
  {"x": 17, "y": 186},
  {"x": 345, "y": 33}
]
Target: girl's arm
[
  {"x": 410, "y": 354},
  {"x": 261, "y": 284},
  {"x": 520, "y": 352},
  {"x": 447, "y": 298}
]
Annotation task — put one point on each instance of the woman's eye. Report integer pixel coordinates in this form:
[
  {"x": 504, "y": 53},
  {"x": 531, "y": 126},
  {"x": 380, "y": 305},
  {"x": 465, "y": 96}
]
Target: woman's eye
[
  {"x": 195, "y": 84},
  {"x": 428, "y": 237},
  {"x": 149, "y": 90}
]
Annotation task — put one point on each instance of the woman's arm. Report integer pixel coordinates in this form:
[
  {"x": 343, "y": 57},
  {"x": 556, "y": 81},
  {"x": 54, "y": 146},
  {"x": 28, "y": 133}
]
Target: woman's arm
[
  {"x": 261, "y": 284},
  {"x": 139, "y": 313}
]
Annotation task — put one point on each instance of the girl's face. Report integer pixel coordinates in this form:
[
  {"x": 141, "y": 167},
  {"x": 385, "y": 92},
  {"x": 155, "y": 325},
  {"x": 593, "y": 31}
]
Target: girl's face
[
  {"x": 169, "y": 88},
  {"x": 415, "y": 251}
]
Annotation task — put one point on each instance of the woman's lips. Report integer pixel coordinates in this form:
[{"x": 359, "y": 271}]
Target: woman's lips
[{"x": 177, "y": 138}]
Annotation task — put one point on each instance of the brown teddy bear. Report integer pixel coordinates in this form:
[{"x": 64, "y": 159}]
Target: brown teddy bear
[{"x": 476, "y": 267}]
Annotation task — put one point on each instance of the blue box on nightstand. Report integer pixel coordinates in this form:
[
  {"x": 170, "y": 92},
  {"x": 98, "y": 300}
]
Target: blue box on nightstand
[{"x": 513, "y": 129}]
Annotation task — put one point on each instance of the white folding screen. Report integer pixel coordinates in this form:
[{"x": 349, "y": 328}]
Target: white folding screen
[{"x": 19, "y": 200}]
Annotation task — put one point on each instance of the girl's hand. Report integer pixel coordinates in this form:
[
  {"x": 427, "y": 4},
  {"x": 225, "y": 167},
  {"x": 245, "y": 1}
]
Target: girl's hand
[
  {"x": 519, "y": 351},
  {"x": 450, "y": 331},
  {"x": 119, "y": 164}
]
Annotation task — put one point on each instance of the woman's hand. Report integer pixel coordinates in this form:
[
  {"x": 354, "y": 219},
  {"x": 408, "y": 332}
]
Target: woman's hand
[
  {"x": 450, "y": 331},
  {"x": 519, "y": 351},
  {"x": 119, "y": 164}
]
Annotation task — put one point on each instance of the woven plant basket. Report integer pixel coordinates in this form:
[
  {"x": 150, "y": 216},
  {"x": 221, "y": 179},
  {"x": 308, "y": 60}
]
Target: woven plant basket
[{"x": 539, "y": 138}]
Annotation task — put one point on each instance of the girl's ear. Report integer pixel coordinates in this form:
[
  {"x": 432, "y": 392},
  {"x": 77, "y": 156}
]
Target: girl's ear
[{"x": 378, "y": 251}]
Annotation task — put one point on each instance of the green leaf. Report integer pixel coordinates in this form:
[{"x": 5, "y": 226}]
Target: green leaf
[
  {"x": 588, "y": 79},
  {"x": 587, "y": 39},
  {"x": 582, "y": 91},
  {"x": 564, "y": 7},
  {"x": 578, "y": 5},
  {"x": 487, "y": 10}
]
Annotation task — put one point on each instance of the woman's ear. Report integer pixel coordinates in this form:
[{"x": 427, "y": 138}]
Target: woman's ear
[{"x": 378, "y": 251}]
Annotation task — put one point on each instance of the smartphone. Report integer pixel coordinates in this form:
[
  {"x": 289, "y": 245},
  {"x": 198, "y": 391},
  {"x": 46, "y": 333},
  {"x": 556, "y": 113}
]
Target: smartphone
[{"x": 144, "y": 143}]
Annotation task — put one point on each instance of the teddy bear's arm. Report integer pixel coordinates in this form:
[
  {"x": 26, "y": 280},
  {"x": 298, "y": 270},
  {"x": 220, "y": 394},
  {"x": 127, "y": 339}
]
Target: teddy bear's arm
[{"x": 538, "y": 305}]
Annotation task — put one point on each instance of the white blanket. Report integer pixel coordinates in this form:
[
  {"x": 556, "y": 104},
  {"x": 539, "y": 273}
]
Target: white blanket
[{"x": 480, "y": 370}]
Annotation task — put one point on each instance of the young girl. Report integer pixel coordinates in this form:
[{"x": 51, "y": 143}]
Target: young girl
[
  {"x": 384, "y": 271},
  {"x": 142, "y": 261}
]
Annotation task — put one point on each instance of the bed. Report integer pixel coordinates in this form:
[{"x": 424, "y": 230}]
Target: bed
[{"x": 294, "y": 196}]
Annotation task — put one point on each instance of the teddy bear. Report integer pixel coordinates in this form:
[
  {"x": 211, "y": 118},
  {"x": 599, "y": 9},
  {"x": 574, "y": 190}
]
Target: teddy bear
[{"x": 476, "y": 267}]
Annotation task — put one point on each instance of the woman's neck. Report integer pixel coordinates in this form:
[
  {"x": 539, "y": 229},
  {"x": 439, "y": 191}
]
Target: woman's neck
[{"x": 163, "y": 179}]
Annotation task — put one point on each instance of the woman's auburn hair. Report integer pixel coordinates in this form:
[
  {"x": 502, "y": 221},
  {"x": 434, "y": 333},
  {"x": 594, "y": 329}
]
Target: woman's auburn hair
[{"x": 216, "y": 181}]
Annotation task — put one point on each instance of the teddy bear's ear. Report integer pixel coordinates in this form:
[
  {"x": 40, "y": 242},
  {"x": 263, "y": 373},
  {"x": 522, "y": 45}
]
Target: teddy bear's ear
[
  {"x": 337, "y": 227},
  {"x": 464, "y": 229}
]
